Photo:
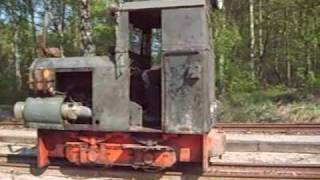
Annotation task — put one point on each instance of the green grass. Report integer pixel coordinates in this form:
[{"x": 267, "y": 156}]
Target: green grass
[{"x": 276, "y": 104}]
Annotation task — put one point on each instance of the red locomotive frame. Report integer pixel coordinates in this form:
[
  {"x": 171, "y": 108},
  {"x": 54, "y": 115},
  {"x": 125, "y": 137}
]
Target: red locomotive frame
[{"x": 123, "y": 148}]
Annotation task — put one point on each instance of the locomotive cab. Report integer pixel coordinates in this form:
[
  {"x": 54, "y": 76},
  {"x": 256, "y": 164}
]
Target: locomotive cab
[
  {"x": 144, "y": 51},
  {"x": 172, "y": 66},
  {"x": 151, "y": 105}
]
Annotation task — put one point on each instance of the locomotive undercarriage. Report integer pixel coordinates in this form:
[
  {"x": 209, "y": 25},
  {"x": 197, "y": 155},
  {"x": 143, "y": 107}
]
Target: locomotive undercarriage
[{"x": 148, "y": 151}]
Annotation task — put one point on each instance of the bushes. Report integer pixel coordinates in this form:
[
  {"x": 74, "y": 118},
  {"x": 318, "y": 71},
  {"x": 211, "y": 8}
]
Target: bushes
[
  {"x": 249, "y": 107},
  {"x": 304, "y": 112},
  {"x": 274, "y": 104},
  {"x": 8, "y": 93}
]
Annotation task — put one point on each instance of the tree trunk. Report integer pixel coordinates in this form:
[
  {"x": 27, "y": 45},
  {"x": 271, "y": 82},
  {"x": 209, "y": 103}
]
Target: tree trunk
[
  {"x": 221, "y": 73},
  {"x": 221, "y": 67},
  {"x": 308, "y": 68},
  {"x": 261, "y": 45},
  {"x": 33, "y": 26},
  {"x": 15, "y": 49},
  {"x": 316, "y": 41},
  {"x": 61, "y": 26},
  {"x": 260, "y": 30},
  {"x": 288, "y": 72},
  {"x": 252, "y": 37},
  {"x": 17, "y": 59},
  {"x": 87, "y": 46},
  {"x": 287, "y": 48}
]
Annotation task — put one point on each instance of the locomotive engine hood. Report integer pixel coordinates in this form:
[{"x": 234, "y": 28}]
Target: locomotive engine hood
[{"x": 71, "y": 92}]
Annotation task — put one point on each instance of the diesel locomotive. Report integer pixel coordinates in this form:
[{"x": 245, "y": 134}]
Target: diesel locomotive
[{"x": 151, "y": 104}]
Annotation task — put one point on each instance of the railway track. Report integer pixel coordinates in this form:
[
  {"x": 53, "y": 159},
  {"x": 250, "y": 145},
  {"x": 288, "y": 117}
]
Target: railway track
[
  {"x": 268, "y": 171},
  {"x": 297, "y": 128},
  {"x": 9, "y": 123},
  {"x": 287, "y": 128},
  {"x": 60, "y": 168}
]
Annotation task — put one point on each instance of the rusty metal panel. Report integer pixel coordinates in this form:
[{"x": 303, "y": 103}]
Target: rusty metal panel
[
  {"x": 183, "y": 93},
  {"x": 136, "y": 113},
  {"x": 111, "y": 96},
  {"x": 188, "y": 71},
  {"x": 122, "y": 32},
  {"x": 210, "y": 109},
  {"x": 111, "y": 86},
  {"x": 185, "y": 28},
  {"x": 70, "y": 63},
  {"x": 110, "y": 89},
  {"x": 189, "y": 101}
]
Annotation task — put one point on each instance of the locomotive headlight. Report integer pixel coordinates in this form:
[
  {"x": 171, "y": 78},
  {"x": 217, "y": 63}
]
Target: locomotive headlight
[
  {"x": 42, "y": 80},
  {"x": 44, "y": 74},
  {"x": 48, "y": 74}
]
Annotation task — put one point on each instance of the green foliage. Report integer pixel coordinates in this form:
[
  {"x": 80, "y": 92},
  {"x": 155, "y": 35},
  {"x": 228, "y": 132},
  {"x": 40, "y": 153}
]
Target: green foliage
[
  {"x": 280, "y": 86},
  {"x": 304, "y": 112},
  {"x": 9, "y": 94},
  {"x": 17, "y": 15},
  {"x": 239, "y": 80},
  {"x": 276, "y": 103},
  {"x": 226, "y": 35},
  {"x": 103, "y": 26},
  {"x": 286, "y": 60},
  {"x": 246, "y": 107}
]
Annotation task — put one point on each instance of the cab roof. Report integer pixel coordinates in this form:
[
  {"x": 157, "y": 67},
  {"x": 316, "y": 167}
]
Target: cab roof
[{"x": 161, "y": 4}]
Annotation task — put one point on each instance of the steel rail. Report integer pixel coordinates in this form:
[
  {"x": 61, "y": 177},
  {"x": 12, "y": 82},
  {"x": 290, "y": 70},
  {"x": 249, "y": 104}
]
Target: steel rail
[
  {"x": 227, "y": 125},
  {"x": 269, "y": 125},
  {"x": 24, "y": 164},
  {"x": 269, "y": 128},
  {"x": 223, "y": 125},
  {"x": 290, "y": 128},
  {"x": 264, "y": 170},
  {"x": 11, "y": 123}
]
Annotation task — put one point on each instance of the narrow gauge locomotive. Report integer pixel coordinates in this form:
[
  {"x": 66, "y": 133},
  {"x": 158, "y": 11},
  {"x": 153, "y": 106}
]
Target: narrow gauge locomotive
[{"x": 135, "y": 108}]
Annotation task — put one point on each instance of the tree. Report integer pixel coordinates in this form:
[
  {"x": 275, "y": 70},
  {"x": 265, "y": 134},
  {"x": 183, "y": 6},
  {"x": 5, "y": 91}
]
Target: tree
[
  {"x": 252, "y": 37},
  {"x": 87, "y": 46}
]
